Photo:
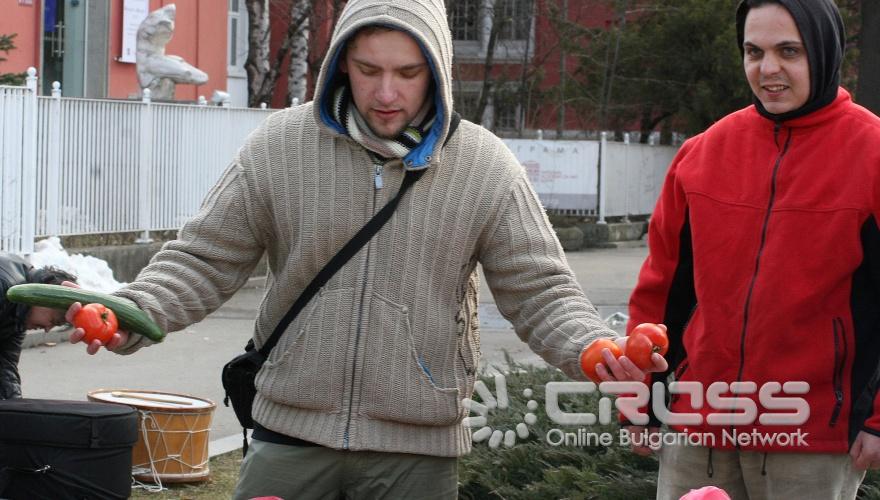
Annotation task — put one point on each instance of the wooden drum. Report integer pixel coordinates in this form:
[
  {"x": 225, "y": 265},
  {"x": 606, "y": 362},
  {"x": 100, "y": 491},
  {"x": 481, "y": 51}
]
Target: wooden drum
[{"x": 173, "y": 441}]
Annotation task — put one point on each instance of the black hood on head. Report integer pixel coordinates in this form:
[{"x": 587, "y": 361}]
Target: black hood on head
[{"x": 822, "y": 31}]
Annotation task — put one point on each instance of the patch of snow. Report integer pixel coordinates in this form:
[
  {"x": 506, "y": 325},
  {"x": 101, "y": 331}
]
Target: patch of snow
[{"x": 92, "y": 273}]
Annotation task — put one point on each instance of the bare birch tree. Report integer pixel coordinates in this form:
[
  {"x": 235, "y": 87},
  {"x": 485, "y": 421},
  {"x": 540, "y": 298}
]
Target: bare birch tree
[
  {"x": 257, "y": 63},
  {"x": 263, "y": 67}
]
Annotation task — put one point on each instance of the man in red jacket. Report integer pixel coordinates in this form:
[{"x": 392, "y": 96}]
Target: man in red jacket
[{"x": 765, "y": 266}]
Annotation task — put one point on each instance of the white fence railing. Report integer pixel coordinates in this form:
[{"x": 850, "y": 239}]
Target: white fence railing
[
  {"x": 80, "y": 166},
  {"x": 17, "y": 164}
]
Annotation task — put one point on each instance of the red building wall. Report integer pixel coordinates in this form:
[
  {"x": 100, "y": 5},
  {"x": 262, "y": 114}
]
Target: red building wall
[
  {"x": 24, "y": 20},
  {"x": 548, "y": 55},
  {"x": 200, "y": 38}
]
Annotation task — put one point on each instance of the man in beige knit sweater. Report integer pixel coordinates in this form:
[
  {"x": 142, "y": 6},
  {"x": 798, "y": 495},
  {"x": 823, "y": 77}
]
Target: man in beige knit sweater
[{"x": 362, "y": 395}]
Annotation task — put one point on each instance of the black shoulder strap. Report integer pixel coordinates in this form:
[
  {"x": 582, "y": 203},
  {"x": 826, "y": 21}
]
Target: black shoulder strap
[{"x": 344, "y": 255}]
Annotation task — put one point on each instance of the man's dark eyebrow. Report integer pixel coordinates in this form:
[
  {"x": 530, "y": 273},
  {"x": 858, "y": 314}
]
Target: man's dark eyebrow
[
  {"x": 784, "y": 43},
  {"x": 412, "y": 66},
  {"x": 402, "y": 68},
  {"x": 364, "y": 63}
]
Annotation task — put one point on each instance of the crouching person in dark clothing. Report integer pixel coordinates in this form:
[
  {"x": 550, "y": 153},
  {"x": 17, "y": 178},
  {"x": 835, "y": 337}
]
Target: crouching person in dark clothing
[{"x": 15, "y": 318}]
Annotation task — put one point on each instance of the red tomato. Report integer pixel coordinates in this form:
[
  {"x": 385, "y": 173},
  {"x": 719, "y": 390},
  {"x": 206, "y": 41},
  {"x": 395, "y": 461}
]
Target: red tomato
[
  {"x": 657, "y": 334},
  {"x": 98, "y": 322},
  {"x": 592, "y": 356},
  {"x": 644, "y": 340},
  {"x": 639, "y": 350}
]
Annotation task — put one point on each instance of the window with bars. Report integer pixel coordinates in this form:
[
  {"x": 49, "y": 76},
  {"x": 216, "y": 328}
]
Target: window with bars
[{"x": 464, "y": 20}]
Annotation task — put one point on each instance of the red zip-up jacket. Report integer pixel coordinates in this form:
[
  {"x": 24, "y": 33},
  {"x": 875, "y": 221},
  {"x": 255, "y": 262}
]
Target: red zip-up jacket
[{"x": 765, "y": 265}]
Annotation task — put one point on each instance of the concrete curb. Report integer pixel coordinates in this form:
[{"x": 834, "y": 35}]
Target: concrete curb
[{"x": 227, "y": 444}]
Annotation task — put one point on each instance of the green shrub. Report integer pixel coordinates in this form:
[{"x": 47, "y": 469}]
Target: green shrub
[
  {"x": 7, "y": 45},
  {"x": 533, "y": 469}
]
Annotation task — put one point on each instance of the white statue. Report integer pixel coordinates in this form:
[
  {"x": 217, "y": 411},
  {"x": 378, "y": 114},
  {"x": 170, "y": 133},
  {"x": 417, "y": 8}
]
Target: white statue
[{"x": 157, "y": 71}]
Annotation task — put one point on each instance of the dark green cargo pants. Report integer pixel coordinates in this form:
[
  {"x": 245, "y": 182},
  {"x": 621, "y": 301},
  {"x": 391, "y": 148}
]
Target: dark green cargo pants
[{"x": 316, "y": 472}]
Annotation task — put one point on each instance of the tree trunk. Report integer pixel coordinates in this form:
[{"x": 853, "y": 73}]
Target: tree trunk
[
  {"x": 563, "y": 75},
  {"x": 297, "y": 77},
  {"x": 257, "y": 64},
  {"x": 649, "y": 122},
  {"x": 524, "y": 71},
  {"x": 497, "y": 19},
  {"x": 608, "y": 86},
  {"x": 868, "y": 92}
]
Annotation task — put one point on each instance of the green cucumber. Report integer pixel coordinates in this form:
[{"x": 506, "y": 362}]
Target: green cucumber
[{"x": 131, "y": 318}]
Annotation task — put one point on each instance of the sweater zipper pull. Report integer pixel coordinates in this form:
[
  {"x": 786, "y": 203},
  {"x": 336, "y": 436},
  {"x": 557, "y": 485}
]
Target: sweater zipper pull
[{"x": 378, "y": 177}]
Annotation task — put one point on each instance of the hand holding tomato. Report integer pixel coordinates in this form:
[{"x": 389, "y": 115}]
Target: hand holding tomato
[
  {"x": 602, "y": 362},
  {"x": 98, "y": 322},
  {"x": 591, "y": 357},
  {"x": 94, "y": 343},
  {"x": 644, "y": 340}
]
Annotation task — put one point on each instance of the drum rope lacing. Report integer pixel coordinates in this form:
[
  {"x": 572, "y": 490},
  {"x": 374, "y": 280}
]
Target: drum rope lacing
[{"x": 135, "y": 484}]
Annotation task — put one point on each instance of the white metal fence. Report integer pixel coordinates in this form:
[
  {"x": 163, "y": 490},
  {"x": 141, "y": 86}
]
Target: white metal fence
[
  {"x": 81, "y": 166},
  {"x": 17, "y": 164}
]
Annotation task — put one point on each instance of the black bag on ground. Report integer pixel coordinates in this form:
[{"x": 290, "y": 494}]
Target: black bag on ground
[
  {"x": 65, "y": 449},
  {"x": 239, "y": 374}
]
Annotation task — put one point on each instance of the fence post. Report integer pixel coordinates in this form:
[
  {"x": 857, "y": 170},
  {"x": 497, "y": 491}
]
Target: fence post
[
  {"x": 627, "y": 164},
  {"x": 53, "y": 173},
  {"x": 29, "y": 165},
  {"x": 145, "y": 170},
  {"x": 603, "y": 166}
]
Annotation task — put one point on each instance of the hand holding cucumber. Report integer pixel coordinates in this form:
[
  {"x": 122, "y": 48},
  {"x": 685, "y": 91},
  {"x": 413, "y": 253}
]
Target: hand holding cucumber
[{"x": 71, "y": 298}]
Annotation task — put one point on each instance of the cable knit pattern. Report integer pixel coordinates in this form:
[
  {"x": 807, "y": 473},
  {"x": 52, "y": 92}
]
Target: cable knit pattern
[{"x": 381, "y": 358}]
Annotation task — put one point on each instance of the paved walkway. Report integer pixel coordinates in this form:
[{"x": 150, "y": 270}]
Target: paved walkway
[{"x": 190, "y": 361}]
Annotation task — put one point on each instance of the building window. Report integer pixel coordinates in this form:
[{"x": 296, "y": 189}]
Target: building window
[
  {"x": 465, "y": 20},
  {"x": 471, "y": 23},
  {"x": 517, "y": 19},
  {"x": 506, "y": 108},
  {"x": 505, "y": 117},
  {"x": 235, "y": 39},
  {"x": 502, "y": 111},
  {"x": 466, "y": 104}
]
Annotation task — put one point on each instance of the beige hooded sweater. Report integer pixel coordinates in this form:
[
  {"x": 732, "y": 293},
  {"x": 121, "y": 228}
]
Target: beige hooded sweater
[{"x": 383, "y": 355}]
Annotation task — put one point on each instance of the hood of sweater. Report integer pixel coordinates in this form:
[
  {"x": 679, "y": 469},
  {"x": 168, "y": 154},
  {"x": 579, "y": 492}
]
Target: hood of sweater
[{"x": 425, "y": 21}]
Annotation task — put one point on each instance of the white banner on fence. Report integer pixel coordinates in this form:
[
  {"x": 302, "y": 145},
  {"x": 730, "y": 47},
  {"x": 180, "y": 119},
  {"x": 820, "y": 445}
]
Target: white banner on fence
[
  {"x": 564, "y": 173},
  {"x": 133, "y": 14},
  {"x": 634, "y": 177}
]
